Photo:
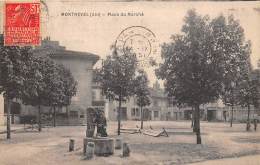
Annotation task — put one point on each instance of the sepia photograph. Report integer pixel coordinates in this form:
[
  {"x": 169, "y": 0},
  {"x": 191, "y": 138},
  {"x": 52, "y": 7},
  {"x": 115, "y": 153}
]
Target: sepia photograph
[{"x": 115, "y": 82}]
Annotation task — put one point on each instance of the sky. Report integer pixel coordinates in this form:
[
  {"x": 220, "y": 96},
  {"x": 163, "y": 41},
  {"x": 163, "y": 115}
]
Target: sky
[{"x": 97, "y": 34}]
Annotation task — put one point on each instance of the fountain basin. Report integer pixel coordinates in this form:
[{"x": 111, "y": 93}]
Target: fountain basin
[{"x": 104, "y": 146}]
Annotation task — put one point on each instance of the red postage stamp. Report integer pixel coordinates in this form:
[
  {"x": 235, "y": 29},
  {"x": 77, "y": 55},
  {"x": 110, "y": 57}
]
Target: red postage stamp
[{"x": 22, "y": 24}]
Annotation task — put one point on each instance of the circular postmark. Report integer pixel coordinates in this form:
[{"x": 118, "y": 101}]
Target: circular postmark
[{"x": 140, "y": 41}]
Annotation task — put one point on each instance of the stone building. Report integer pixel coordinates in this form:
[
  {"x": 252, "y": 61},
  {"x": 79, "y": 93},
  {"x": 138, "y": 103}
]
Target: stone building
[
  {"x": 159, "y": 109},
  {"x": 240, "y": 113},
  {"x": 81, "y": 66},
  {"x": 162, "y": 109},
  {"x": 131, "y": 111}
]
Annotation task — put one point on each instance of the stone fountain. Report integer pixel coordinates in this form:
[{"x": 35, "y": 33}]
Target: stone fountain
[{"x": 104, "y": 146}]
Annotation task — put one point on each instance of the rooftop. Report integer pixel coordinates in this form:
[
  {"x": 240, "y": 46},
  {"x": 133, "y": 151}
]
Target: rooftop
[{"x": 55, "y": 50}]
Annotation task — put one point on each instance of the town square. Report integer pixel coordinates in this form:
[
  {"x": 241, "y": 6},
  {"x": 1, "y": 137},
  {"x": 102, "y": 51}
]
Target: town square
[{"x": 51, "y": 145}]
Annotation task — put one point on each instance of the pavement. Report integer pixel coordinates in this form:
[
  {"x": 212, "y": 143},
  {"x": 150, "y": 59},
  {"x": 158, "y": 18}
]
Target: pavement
[
  {"x": 245, "y": 160},
  {"x": 14, "y": 127},
  {"x": 219, "y": 142}
]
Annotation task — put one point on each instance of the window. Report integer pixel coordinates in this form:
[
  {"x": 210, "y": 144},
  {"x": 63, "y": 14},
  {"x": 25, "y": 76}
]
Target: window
[
  {"x": 155, "y": 103},
  {"x": 156, "y": 114},
  {"x": 81, "y": 116},
  {"x": 137, "y": 112},
  {"x": 123, "y": 113},
  {"x": 94, "y": 95},
  {"x": 74, "y": 114},
  {"x": 133, "y": 112}
]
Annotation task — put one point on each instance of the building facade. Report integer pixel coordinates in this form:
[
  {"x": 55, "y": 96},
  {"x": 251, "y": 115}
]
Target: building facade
[
  {"x": 81, "y": 66},
  {"x": 159, "y": 109},
  {"x": 240, "y": 113}
]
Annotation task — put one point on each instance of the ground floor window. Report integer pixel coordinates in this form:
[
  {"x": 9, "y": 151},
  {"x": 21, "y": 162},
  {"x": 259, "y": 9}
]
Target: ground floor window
[
  {"x": 123, "y": 113},
  {"x": 81, "y": 116},
  {"x": 147, "y": 114},
  {"x": 156, "y": 114},
  {"x": 168, "y": 115},
  {"x": 74, "y": 114},
  {"x": 135, "y": 112}
]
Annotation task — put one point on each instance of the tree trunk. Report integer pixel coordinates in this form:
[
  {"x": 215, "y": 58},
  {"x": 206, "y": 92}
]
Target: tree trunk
[
  {"x": 39, "y": 119},
  {"x": 142, "y": 117},
  {"x": 194, "y": 121},
  {"x": 54, "y": 116},
  {"x": 67, "y": 114},
  {"x": 248, "y": 118},
  {"x": 67, "y": 111},
  {"x": 231, "y": 120},
  {"x": 192, "y": 117},
  {"x": 119, "y": 115},
  {"x": 8, "y": 123},
  {"x": 50, "y": 112},
  {"x": 12, "y": 118},
  {"x": 197, "y": 123}
]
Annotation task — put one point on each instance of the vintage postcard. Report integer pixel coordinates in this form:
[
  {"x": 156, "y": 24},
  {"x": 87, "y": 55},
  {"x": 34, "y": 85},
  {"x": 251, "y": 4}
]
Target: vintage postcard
[{"x": 129, "y": 82}]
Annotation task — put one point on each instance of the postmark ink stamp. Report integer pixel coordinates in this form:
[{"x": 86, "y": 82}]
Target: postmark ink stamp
[
  {"x": 22, "y": 24},
  {"x": 139, "y": 40}
]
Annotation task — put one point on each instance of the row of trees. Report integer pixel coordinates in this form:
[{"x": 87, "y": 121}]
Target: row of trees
[
  {"x": 120, "y": 78},
  {"x": 36, "y": 81},
  {"x": 209, "y": 60}
]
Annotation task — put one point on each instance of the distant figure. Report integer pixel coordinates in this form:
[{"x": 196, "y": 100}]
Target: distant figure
[
  {"x": 255, "y": 124},
  {"x": 248, "y": 126},
  {"x": 225, "y": 115}
]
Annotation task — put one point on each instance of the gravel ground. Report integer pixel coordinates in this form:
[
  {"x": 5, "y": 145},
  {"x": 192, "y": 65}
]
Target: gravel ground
[
  {"x": 51, "y": 145},
  {"x": 245, "y": 160}
]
